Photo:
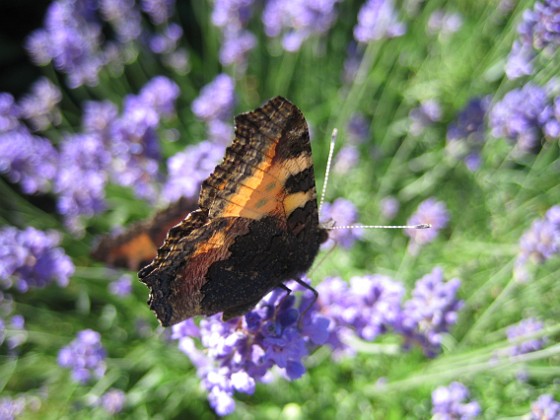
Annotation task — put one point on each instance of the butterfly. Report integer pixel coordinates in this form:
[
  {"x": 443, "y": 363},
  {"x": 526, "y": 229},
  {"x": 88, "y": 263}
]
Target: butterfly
[{"x": 256, "y": 226}]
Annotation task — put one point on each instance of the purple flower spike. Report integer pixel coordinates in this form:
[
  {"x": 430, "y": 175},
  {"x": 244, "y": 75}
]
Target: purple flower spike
[
  {"x": 85, "y": 356},
  {"x": 216, "y": 100},
  {"x": 187, "y": 169},
  {"x": 518, "y": 116},
  {"x": 160, "y": 93},
  {"x": 28, "y": 160},
  {"x": 429, "y": 211},
  {"x": 11, "y": 409},
  {"x": 31, "y": 258},
  {"x": 296, "y": 21},
  {"x": 80, "y": 182},
  {"x": 377, "y": 19},
  {"x": 113, "y": 401},
  {"x": 424, "y": 116},
  {"x": 40, "y": 107},
  {"x": 451, "y": 403},
  {"x": 544, "y": 408},
  {"x": 9, "y": 113},
  {"x": 122, "y": 286},
  {"x": 159, "y": 11},
  {"x": 526, "y": 327},
  {"x": 465, "y": 136},
  {"x": 240, "y": 352},
  {"x": 124, "y": 17},
  {"x": 430, "y": 312},
  {"x": 343, "y": 213}
]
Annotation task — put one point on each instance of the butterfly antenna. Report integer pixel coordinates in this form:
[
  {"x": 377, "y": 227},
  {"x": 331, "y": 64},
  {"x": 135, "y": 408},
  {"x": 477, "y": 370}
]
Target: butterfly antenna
[
  {"x": 420, "y": 226},
  {"x": 328, "y": 168}
]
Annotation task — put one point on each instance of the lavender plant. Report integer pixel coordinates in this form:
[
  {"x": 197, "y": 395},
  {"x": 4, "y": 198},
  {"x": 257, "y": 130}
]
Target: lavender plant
[{"x": 133, "y": 110}]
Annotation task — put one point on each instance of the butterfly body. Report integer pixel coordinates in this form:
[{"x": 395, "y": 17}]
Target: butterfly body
[{"x": 256, "y": 227}]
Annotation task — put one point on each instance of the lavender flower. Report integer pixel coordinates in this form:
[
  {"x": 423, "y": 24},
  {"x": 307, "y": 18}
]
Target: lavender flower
[
  {"x": 298, "y": 20},
  {"x": 423, "y": 116},
  {"x": 187, "y": 170},
  {"x": 444, "y": 23},
  {"x": 124, "y": 17},
  {"x": 367, "y": 307},
  {"x": 159, "y": 11},
  {"x": 160, "y": 94},
  {"x": 451, "y": 403},
  {"x": 241, "y": 351},
  {"x": 80, "y": 182},
  {"x": 85, "y": 356},
  {"x": 343, "y": 213},
  {"x": 358, "y": 129},
  {"x": 166, "y": 42},
  {"x": 465, "y": 136},
  {"x": 40, "y": 107},
  {"x": 551, "y": 119},
  {"x": 9, "y": 113},
  {"x": 518, "y": 116},
  {"x": 216, "y": 100},
  {"x": 31, "y": 258},
  {"x": 28, "y": 160},
  {"x": 236, "y": 47},
  {"x": 346, "y": 159},
  {"x": 232, "y": 13},
  {"x": 135, "y": 146},
  {"x": 525, "y": 327},
  {"x": 431, "y": 311},
  {"x": 429, "y": 211},
  {"x": 71, "y": 38},
  {"x": 122, "y": 286},
  {"x": 538, "y": 32},
  {"x": 544, "y": 408},
  {"x": 377, "y": 19},
  {"x": 389, "y": 207},
  {"x": 113, "y": 401},
  {"x": 11, "y": 408},
  {"x": 220, "y": 132},
  {"x": 97, "y": 118}
]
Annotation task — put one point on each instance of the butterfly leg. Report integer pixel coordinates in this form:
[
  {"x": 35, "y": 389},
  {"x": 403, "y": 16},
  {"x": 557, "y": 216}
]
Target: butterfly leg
[{"x": 315, "y": 297}]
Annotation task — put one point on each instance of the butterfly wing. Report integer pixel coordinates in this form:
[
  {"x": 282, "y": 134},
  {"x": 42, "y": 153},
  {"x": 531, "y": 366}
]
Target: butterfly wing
[{"x": 257, "y": 225}]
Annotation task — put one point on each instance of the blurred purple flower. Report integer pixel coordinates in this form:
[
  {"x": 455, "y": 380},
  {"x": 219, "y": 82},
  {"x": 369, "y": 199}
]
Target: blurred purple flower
[
  {"x": 343, "y": 213},
  {"x": 98, "y": 116},
  {"x": 236, "y": 46},
  {"x": 187, "y": 170},
  {"x": 160, "y": 93},
  {"x": 9, "y": 113},
  {"x": 241, "y": 351},
  {"x": 124, "y": 17},
  {"x": 377, "y": 19},
  {"x": 166, "y": 41},
  {"x": 424, "y": 115},
  {"x": 544, "y": 408},
  {"x": 85, "y": 356},
  {"x": 28, "y": 160},
  {"x": 216, "y": 100},
  {"x": 520, "y": 60},
  {"x": 135, "y": 147},
  {"x": 389, "y": 207},
  {"x": 450, "y": 402},
  {"x": 122, "y": 286},
  {"x": 80, "y": 182},
  {"x": 31, "y": 258},
  {"x": 429, "y": 211},
  {"x": 540, "y": 242},
  {"x": 466, "y": 135},
  {"x": 358, "y": 129},
  {"x": 430, "y": 312},
  {"x": 524, "y": 328},
  {"x": 159, "y": 11},
  {"x": 11, "y": 408},
  {"x": 518, "y": 116},
  {"x": 444, "y": 23},
  {"x": 352, "y": 63},
  {"x": 538, "y": 32},
  {"x": 220, "y": 132},
  {"x": 71, "y": 38},
  {"x": 40, "y": 106},
  {"x": 346, "y": 159},
  {"x": 234, "y": 14},
  {"x": 14, "y": 336},
  {"x": 298, "y": 20},
  {"x": 551, "y": 119},
  {"x": 113, "y": 401}
]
